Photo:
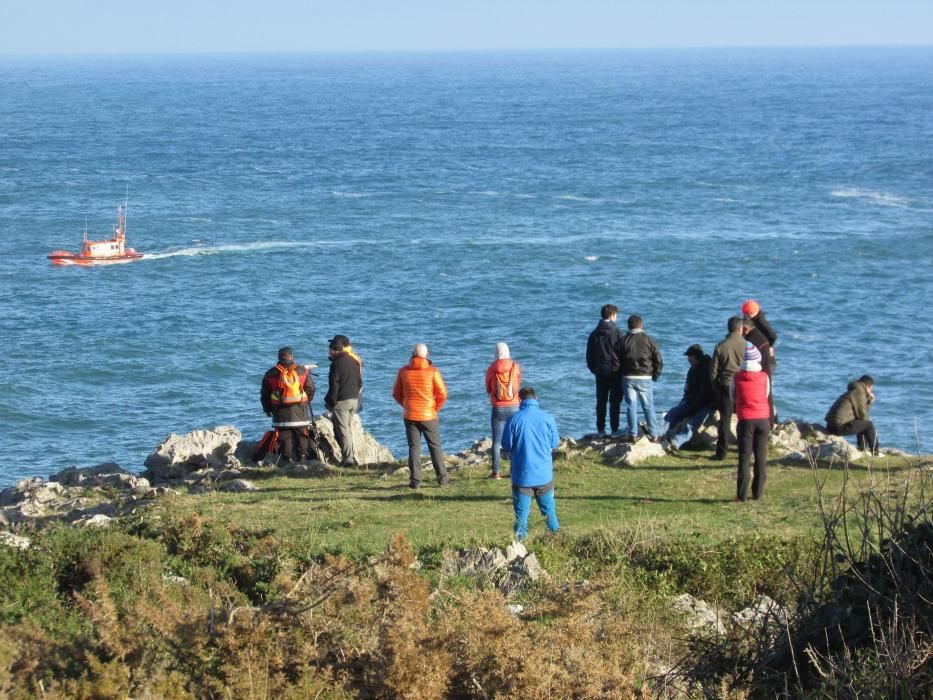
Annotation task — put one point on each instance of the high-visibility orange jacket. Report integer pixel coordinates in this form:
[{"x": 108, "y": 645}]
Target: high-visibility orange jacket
[
  {"x": 420, "y": 389},
  {"x": 510, "y": 375}
]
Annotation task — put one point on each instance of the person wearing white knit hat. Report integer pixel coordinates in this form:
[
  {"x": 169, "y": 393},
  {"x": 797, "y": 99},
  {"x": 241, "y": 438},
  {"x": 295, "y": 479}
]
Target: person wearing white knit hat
[
  {"x": 750, "y": 390},
  {"x": 503, "y": 380}
]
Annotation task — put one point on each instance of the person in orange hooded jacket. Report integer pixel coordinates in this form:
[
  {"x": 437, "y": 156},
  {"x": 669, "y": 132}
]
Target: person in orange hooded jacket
[
  {"x": 503, "y": 380},
  {"x": 420, "y": 390}
]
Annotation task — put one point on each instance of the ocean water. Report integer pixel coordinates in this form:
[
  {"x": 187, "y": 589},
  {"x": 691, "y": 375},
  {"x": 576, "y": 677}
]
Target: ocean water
[{"x": 456, "y": 199}]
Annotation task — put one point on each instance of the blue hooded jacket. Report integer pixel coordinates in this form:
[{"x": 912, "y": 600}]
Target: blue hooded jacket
[{"x": 530, "y": 435}]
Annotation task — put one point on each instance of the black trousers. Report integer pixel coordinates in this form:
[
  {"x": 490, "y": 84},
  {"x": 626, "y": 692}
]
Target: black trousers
[
  {"x": 753, "y": 441},
  {"x": 431, "y": 430},
  {"x": 864, "y": 431},
  {"x": 608, "y": 389},
  {"x": 725, "y": 406},
  {"x": 293, "y": 444}
]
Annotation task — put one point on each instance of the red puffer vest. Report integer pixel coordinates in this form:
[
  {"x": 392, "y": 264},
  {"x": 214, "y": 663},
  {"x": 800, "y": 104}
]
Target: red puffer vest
[{"x": 751, "y": 395}]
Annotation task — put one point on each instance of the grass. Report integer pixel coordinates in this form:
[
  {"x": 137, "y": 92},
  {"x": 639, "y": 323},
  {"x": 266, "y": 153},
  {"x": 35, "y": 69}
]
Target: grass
[{"x": 355, "y": 512}]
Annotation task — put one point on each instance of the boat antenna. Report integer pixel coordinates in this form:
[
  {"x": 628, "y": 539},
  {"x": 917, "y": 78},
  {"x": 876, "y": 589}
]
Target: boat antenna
[
  {"x": 85, "y": 227},
  {"x": 126, "y": 206}
]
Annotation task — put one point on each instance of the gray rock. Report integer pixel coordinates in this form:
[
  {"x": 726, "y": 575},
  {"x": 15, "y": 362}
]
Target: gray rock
[
  {"x": 367, "y": 449},
  {"x": 179, "y": 455},
  {"x": 835, "y": 448},
  {"x": 97, "y": 521},
  {"x": 762, "y": 611},
  {"x": 698, "y": 615},
  {"x": 8, "y": 539},
  {"x": 640, "y": 451},
  {"x": 509, "y": 570},
  {"x": 237, "y": 486},
  {"x": 788, "y": 437}
]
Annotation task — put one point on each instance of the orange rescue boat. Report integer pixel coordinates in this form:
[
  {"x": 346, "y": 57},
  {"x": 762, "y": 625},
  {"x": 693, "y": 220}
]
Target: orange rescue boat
[{"x": 112, "y": 251}]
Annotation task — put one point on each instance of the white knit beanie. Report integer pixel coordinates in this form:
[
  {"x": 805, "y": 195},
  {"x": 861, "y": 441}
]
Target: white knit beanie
[{"x": 502, "y": 351}]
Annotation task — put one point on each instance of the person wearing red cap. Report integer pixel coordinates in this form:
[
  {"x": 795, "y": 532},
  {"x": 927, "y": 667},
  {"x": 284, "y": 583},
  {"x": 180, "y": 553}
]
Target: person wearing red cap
[{"x": 753, "y": 310}]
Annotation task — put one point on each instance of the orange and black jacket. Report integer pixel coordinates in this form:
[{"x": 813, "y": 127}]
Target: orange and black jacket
[
  {"x": 345, "y": 379},
  {"x": 420, "y": 390},
  {"x": 285, "y": 404}
]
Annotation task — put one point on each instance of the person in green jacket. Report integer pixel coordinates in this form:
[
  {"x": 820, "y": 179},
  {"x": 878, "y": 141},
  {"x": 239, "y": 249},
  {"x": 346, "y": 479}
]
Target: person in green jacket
[{"x": 849, "y": 414}]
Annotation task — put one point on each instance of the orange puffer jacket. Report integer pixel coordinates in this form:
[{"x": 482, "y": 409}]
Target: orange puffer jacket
[
  {"x": 510, "y": 373},
  {"x": 420, "y": 389}
]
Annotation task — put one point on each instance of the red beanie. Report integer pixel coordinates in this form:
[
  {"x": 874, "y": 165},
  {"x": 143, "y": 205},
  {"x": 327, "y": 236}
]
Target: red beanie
[{"x": 751, "y": 308}]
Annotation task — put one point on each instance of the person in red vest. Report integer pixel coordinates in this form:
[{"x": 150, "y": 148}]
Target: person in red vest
[
  {"x": 286, "y": 393},
  {"x": 420, "y": 390},
  {"x": 503, "y": 380},
  {"x": 751, "y": 389}
]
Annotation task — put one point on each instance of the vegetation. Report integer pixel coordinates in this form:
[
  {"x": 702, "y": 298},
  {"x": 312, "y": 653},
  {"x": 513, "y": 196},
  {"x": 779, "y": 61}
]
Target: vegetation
[{"x": 332, "y": 588}]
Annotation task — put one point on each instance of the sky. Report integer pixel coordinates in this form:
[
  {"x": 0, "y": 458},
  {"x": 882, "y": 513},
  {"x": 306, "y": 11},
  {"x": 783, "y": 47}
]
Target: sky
[{"x": 41, "y": 27}]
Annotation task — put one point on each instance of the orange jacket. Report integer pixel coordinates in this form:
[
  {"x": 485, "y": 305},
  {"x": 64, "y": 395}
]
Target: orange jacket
[
  {"x": 509, "y": 372},
  {"x": 420, "y": 389}
]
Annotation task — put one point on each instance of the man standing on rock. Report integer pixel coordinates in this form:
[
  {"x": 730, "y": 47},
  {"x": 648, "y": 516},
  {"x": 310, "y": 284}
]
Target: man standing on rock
[
  {"x": 849, "y": 414},
  {"x": 344, "y": 386},
  {"x": 420, "y": 390},
  {"x": 531, "y": 435},
  {"x": 503, "y": 379},
  {"x": 602, "y": 359},
  {"x": 286, "y": 393},
  {"x": 727, "y": 358},
  {"x": 641, "y": 366}
]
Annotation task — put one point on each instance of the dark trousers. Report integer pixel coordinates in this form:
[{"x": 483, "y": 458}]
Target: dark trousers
[
  {"x": 725, "y": 406},
  {"x": 753, "y": 440},
  {"x": 293, "y": 443},
  {"x": 608, "y": 389},
  {"x": 864, "y": 431},
  {"x": 431, "y": 430}
]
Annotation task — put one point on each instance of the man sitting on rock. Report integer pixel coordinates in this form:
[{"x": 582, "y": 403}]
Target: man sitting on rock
[
  {"x": 286, "y": 393},
  {"x": 849, "y": 414},
  {"x": 530, "y": 435},
  {"x": 698, "y": 402}
]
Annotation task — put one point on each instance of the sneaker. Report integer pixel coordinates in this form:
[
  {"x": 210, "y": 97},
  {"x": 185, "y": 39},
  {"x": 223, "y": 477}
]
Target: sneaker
[
  {"x": 414, "y": 485},
  {"x": 719, "y": 456},
  {"x": 443, "y": 482},
  {"x": 495, "y": 475},
  {"x": 617, "y": 434},
  {"x": 601, "y": 432}
]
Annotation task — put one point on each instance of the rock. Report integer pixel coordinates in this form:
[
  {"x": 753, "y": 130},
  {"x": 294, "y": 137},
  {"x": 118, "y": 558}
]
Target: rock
[
  {"x": 99, "y": 520},
  {"x": 179, "y": 455},
  {"x": 788, "y": 437},
  {"x": 705, "y": 437},
  {"x": 8, "y": 539},
  {"x": 698, "y": 615},
  {"x": 762, "y": 611},
  {"x": 365, "y": 447},
  {"x": 835, "y": 448},
  {"x": 177, "y": 580},
  {"x": 311, "y": 467},
  {"x": 238, "y": 486},
  {"x": 103, "y": 475},
  {"x": 509, "y": 570},
  {"x": 639, "y": 451},
  {"x": 516, "y": 550},
  {"x": 515, "y": 608}
]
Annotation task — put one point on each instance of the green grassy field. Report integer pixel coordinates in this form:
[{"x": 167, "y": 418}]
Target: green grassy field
[{"x": 355, "y": 512}]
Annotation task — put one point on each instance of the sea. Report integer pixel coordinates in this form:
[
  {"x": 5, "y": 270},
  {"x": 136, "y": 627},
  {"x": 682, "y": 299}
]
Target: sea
[{"x": 456, "y": 199}]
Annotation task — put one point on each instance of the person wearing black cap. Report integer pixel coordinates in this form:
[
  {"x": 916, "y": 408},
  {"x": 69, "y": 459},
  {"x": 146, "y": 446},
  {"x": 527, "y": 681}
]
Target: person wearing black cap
[
  {"x": 286, "y": 393},
  {"x": 698, "y": 402},
  {"x": 344, "y": 386}
]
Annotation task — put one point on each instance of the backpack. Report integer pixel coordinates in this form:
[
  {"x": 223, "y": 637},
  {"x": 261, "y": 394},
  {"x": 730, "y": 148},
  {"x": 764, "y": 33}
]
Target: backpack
[{"x": 504, "y": 391}]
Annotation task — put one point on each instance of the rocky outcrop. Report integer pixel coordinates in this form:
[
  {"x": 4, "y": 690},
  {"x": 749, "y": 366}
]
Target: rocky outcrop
[
  {"x": 368, "y": 451},
  {"x": 509, "y": 570},
  {"x": 704, "y": 620},
  {"x": 177, "y": 456}
]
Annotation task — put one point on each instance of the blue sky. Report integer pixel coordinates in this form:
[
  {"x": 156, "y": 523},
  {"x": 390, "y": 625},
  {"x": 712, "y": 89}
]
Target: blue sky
[{"x": 195, "y": 26}]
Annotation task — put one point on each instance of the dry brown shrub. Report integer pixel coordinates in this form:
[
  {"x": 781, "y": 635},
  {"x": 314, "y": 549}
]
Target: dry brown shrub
[{"x": 410, "y": 661}]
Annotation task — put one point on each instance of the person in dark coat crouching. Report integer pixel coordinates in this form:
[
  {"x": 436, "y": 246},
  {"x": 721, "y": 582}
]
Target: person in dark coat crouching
[
  {"x": 849, "y": 414},
  {"x": 286, "y": 393},
  {"x": 750, "y": 389},
  {"x": 698, "y": 402},
  {"x": 530, "y": 435}
]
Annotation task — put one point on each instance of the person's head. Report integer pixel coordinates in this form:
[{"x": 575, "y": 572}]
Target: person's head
[
  {"x": 608, "y": 312},
  {"x": 526, "y": 392},
  {"x": 502, "y": 351},
  {"x": 694, "y": 354},
  {"x": 634, "y": 322},
  {"x": 286, "y": 356},
  {"x": 735, "y": 324},
  {"x": 867, "y": 380},
  {"x": 420, "y": 350},
  {"x": 747, "y": 324},
  {"x": 337, "y": 344},
  {"x": 751, "y": 308}
]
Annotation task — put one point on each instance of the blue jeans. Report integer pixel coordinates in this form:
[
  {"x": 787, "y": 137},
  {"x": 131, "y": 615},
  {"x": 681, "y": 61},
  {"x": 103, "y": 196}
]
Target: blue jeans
[
  {"x": 693, "y": 421},
  {"x": 642, "y": 390},
  {"x": 521, "y": 504},
  {"x": 500, "y": 414}
]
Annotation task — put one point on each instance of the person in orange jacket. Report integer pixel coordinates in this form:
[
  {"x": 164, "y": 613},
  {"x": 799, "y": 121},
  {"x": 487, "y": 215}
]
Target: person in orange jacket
[
  {"x": 503, "y": 380},
  {"x": 420, "y": 390}
]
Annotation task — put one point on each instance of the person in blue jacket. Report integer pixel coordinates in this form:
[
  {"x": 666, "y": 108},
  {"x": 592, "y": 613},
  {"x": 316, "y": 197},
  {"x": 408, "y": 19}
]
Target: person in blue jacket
[{"x": 530, "y": 435}]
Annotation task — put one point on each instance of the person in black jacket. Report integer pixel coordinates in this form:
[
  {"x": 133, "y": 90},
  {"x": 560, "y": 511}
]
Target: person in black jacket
[
  {"x": 698, "y": 402},
  {"x": 286, "y": 393},
  {"x": 344, "y": 385},
  {"x": 641, "y": 365},
  {"x": 754, "y": 335},
  {"x": 602, "y": 359}
]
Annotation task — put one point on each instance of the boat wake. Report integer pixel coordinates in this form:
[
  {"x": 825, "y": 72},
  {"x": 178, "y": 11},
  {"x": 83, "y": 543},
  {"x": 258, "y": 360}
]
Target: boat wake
[{"x": 195, "y": 250}]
